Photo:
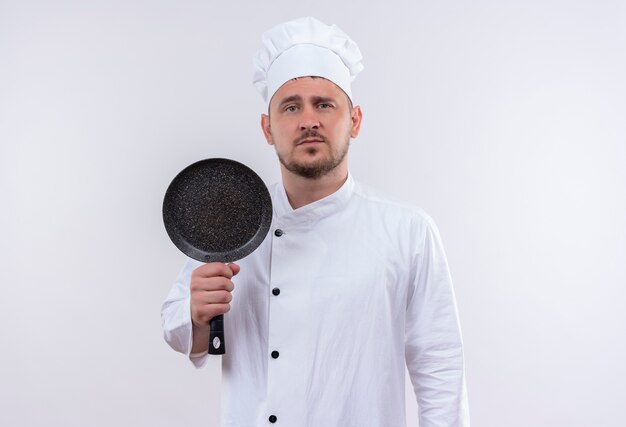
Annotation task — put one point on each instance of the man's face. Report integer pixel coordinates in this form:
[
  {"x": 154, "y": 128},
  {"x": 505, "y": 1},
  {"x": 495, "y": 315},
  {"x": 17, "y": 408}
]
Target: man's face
[{"x": 310, "y": 124}]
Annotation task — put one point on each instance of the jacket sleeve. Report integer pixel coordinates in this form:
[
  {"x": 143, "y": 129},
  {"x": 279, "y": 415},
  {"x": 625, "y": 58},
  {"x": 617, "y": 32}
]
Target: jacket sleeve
[
  {"x": 176, "y": 315},
  {"x": 433, "y": 346}
]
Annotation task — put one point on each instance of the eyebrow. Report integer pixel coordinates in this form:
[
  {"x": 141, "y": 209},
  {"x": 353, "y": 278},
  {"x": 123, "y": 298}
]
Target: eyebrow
[
  {"x": 323, "y": 99},
  {"x": 292, "y": 98},
  {"x": 298, "y": 98}
]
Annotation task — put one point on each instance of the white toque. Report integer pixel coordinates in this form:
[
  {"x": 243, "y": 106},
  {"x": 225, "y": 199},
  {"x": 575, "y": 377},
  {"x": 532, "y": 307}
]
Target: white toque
[{"x": 305, "y": 47}]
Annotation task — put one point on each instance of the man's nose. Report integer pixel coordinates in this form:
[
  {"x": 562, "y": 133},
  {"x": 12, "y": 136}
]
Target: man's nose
[{"x": 309, "y": 119}]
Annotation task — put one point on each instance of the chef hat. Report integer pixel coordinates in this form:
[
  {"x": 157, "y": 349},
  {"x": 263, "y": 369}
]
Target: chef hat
[{"x": 305, "y": 47}]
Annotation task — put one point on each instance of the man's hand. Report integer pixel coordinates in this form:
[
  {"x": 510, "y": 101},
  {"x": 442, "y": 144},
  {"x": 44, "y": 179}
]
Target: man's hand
[{"x": 211, "y": 288}]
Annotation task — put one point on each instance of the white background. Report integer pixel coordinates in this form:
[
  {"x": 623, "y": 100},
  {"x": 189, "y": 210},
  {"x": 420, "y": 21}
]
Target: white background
[{"x": 505, "y": 120}]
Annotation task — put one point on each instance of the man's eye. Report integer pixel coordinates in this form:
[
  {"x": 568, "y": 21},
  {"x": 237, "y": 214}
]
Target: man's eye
[{"x": 291, "y": 108}]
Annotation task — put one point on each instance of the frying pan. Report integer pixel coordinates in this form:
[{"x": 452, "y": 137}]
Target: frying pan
[{"x": 217, "y": 210}]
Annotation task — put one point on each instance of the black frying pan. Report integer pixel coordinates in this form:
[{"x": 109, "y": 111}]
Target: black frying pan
[{"x": 217, "y": 210}]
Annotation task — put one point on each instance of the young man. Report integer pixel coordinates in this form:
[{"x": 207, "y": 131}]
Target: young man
[{"x": 347, "y": 289}]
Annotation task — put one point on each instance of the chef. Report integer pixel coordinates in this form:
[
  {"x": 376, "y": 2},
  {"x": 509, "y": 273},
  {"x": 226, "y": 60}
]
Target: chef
[{"x": 347, "y": 289}]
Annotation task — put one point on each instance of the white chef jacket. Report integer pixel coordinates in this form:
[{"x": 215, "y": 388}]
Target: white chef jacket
[{"x": 325, "y": 316}]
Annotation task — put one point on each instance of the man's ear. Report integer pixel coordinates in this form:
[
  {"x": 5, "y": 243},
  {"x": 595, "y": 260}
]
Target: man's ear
[
  {"x": 267, "y": 131},
  {"x": 356, "y": 117}
]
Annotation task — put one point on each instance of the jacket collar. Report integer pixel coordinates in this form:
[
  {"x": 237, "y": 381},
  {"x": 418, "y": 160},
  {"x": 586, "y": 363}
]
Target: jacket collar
[{"x": 309, "y": 214}]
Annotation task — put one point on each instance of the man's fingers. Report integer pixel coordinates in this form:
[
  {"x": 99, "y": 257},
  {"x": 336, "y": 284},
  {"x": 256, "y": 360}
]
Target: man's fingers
[
  {"x": 211, "y": 289},
  {"x": 214, "y": 269},
  {"x": 234, "y": 268},
  {"x": 220, "y": 283},
  {"x": 203, "y": 315},
  {"x": 214, "y": 297}
]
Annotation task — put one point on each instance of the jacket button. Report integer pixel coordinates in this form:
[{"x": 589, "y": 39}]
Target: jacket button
[
  {"x": 273, "y": 419},
  {"x": 275, "y": 354},
  {"x": 278, "y": 232},
  {"x": 275, "y": 291}
]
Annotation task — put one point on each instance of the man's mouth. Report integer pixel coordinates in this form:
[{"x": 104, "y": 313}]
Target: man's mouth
[{"x": 311, "y": 139}]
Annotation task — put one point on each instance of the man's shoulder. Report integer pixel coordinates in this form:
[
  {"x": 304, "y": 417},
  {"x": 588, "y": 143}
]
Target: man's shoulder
[{"x": 389, "y": 205}]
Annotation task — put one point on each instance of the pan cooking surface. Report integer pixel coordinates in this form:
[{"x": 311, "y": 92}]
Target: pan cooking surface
[{"x": 217, "y": 210}]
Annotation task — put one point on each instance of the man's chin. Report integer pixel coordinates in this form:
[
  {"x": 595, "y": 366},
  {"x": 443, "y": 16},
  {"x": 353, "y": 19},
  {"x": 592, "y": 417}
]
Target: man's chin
[
  {"x": 314, "y": 165},
  {"x": 310, "y": 170}
]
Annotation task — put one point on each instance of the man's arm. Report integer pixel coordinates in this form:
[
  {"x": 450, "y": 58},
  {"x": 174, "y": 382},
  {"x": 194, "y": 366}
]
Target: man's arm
[{"x": 434, "y": 349}]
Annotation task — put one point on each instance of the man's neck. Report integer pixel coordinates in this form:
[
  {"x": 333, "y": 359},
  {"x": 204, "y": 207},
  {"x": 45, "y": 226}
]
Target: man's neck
[{"x": 303, "y": 191}]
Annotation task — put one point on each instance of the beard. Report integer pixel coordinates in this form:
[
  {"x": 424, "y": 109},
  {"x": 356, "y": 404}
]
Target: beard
[{"x": 318, "y": 168}]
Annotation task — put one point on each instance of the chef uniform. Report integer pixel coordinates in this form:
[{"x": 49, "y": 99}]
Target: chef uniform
[{"x": 341, "y": 295}]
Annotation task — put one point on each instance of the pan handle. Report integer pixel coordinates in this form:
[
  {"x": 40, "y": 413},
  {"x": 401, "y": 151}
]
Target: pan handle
[{"x": 216, "y": 336}]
